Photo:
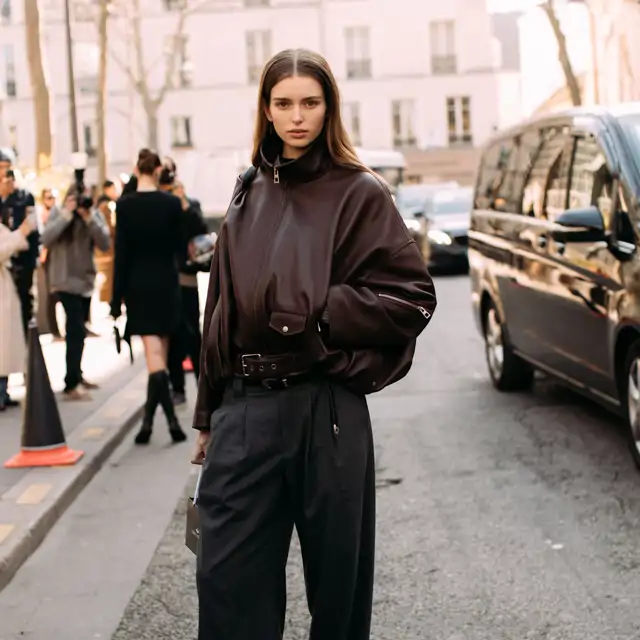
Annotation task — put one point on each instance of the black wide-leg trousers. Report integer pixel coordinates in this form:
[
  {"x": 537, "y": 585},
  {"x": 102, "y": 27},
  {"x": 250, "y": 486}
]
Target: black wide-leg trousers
[{"x": 301, "y": 456}]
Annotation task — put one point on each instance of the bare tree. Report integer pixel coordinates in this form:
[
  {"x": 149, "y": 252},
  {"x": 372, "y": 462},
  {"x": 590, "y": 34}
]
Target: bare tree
[
  {"x": 563, "y": 54},
  {"x": 39, "y": 86},
  {"x": 101, "y": 106},
  {"x": 139, "y": 71}
]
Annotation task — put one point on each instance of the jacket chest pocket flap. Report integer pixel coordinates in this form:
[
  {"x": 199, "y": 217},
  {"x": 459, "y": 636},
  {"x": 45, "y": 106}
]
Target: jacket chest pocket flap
[{"x": 287, "y": 323}]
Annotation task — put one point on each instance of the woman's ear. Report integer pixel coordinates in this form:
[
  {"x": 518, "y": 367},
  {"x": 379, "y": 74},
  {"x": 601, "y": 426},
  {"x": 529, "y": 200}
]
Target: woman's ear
[{"x": 267, "y": 113}]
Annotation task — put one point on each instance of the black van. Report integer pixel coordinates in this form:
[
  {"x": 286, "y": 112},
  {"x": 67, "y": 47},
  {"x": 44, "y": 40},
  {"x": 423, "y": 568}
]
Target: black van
[{"x": 553, "y": 259}]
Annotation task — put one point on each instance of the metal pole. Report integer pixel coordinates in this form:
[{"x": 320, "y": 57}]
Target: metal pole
[{"x": 73, "y": 114}]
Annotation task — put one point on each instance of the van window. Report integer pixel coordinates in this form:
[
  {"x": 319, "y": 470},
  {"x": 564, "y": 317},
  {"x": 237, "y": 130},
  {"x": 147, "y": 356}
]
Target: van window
[
  {"x": 521, "y": 157},
  {"x": 490, "y": 170},
  {"x": 535, "y": 187},
  {"x": 558, "y": 184},
  {"x": 504, "y": 172},
  {"x": 591, "y": 181}
]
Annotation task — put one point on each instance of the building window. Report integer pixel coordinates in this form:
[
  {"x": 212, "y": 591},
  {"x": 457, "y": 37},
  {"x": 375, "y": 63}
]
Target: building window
[
  {"x": 11, "y": 88},
  {"x": 258, "y": 53},
  {"x": 256, "y": 3},
  {"x": 358, "y": 56},
  {"x": 84, "y": 10},
  {"x": 181, "y": 131},
  {"x": 443, "y": 48},
  {"x": 459, "y": 120},
  {"x": 5, "y": 11},
  {"x": 175, "y": 5},
  {"x": 351, "y": 118},
  {"x": 13, "y": 138},
  {"x": 89, "y": 140},
  {"x": 176, "y": 50},
  {"x": 403, "y": 114}
]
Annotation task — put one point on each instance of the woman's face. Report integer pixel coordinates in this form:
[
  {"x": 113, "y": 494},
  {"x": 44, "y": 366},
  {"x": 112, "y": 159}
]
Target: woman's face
[{"x": 297, "y": 109}]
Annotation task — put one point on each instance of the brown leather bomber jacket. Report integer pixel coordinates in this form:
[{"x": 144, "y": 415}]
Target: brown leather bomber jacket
[{"x": 306, "y": 238}]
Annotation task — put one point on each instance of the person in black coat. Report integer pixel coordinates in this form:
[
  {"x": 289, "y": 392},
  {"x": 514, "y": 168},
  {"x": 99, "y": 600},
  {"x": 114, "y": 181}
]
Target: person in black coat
[
  {"x": 147, "y": 244},
  {"x": 188, "y": 340}
]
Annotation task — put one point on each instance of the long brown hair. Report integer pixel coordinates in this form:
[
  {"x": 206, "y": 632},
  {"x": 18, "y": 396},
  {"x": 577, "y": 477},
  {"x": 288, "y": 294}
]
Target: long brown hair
[{"x": 303, "y": 62}]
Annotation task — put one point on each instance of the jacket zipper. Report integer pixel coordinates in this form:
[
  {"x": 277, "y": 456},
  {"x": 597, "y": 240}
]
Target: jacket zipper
[
  {"x": 276, "y": 175},
  {"x": 275, "y": 225},
  {"x": 422, "y": 310}
]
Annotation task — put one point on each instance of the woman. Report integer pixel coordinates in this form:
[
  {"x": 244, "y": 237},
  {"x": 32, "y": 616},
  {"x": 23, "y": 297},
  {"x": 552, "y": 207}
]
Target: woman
[
  {"x": 70, "y": 237},
  {"x": 188, "y": 340},
  {"x": 316, "y": 297},
  {"x": 148, "y": 237},
  {"x": 12, "y": 347}
]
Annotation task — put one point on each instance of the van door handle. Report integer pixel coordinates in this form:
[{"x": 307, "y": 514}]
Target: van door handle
[{"x": 542, "y": 242}]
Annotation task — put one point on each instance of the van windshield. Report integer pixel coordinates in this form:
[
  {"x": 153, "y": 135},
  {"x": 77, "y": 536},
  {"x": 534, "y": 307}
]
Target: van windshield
[{"x": 631, "y": 126}]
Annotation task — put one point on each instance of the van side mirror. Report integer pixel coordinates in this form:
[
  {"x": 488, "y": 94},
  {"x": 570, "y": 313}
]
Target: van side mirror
[
  {"x": 588, "y": 218},
  {"x": 580, "y": 225}
]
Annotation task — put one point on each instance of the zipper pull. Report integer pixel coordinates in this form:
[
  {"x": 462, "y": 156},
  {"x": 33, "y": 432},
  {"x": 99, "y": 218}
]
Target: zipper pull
[
  {"x": 276, "y": 176},
  {"x": 424, "y": 312}
]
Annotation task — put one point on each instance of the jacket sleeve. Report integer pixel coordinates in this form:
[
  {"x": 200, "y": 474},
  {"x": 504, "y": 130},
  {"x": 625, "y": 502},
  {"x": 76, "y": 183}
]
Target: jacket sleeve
[
  {"x": 10, "y": 243},
  {"x": 99, "y": 230},
  {"x": 208, "y": 398},
  {"x": 384, "y": 296},
  {"x": 58, "y": 221},
  {"x": 119, "y": 262}
]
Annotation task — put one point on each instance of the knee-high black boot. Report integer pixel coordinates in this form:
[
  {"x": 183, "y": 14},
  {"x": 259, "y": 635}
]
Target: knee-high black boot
[
  {"x": 166, "y": 402},
  {"x": 144, "y": 435}
]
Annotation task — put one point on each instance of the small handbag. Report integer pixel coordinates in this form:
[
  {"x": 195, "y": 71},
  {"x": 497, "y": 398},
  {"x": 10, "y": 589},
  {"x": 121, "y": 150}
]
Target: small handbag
[
  {"x": 192, "y": 534},
  {"x": 118, "y": 338}
]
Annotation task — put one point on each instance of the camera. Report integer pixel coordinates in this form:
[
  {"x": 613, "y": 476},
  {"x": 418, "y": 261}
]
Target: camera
[{"x": 84, "y": 201}]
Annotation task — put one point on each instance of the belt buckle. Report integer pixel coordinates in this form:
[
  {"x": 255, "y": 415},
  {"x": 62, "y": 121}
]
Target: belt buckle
[
  {"x": 275, "y": 383},
  {"x": 244, "y": 365}
]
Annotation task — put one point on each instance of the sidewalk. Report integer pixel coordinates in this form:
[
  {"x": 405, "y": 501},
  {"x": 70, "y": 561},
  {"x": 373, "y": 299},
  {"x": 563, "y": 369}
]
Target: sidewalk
[{"x": 31, "y": 500}]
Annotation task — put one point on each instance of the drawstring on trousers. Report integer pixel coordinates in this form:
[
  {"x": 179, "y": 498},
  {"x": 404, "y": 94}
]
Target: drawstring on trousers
[{"x": 333, "y": 412}]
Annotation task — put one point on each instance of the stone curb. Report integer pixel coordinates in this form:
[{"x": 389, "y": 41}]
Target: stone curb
[{"x": 30, "y": 508}]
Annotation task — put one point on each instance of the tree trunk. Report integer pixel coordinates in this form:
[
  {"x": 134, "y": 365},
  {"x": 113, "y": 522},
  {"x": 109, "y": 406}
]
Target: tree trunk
[
  {"x": 151, "y": 111},
  {"x": 39, "y": 86},
  {"x": 563, "y": 55},
  {"x": 101, "y": 107}
]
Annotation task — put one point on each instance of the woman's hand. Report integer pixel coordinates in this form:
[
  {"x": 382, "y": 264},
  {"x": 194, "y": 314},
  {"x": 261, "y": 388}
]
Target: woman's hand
[{"x": 202, "y": 443}]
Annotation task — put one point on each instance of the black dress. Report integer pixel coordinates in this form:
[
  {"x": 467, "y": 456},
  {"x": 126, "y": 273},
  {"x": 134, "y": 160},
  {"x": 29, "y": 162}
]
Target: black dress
[{"x": 147, "y": 245}]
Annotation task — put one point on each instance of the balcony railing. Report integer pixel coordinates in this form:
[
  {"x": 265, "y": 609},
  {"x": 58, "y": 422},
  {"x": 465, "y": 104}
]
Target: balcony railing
[
  {"x": 460, "y": 140},
  {"x": 404, "y": 142},
  {"x": 358, "y": 69},
  {"x": 444, "y": 65}
]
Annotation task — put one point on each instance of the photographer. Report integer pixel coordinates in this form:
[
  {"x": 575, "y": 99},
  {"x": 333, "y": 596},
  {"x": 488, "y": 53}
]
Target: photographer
[
  {"x": 71, "y": 235},
  {"x": 15, "y": 206}
]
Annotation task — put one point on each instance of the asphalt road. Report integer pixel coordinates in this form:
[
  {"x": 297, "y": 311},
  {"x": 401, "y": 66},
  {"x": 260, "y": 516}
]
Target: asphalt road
[{"x": 499, "y": 516}]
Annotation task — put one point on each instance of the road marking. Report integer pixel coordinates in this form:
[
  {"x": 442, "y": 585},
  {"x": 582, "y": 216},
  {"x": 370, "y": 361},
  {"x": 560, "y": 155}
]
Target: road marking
[
  {"x": 5, "y": 531},
  {"x": 93, "y": 433},
  {"x": 34, "y": 494}
]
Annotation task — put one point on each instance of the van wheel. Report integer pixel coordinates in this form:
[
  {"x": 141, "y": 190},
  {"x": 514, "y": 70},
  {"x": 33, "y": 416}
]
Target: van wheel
[
  {"x": 508, "y": 371},
  {"x": 631, "y": 399}
]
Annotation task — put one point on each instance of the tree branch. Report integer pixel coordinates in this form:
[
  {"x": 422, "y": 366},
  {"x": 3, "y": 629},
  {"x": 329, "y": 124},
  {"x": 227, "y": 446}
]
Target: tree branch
[
  {"x": 563, "y": 55},
  {"x": 125, "y": 68},
  {"x": 189, "y": 8}
]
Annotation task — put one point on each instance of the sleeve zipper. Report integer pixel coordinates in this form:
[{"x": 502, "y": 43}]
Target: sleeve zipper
[{"x": 406, "y": 303}]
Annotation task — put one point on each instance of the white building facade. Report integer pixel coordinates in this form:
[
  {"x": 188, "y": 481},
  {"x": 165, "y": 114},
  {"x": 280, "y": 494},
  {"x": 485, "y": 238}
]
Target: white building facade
[{"x": 414, "y": 74}]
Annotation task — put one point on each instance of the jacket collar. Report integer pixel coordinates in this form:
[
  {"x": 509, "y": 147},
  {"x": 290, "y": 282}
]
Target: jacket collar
[{"x": 312, "y": 165}]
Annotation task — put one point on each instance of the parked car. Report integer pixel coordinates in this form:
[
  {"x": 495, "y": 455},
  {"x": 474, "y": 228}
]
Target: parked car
[
  {"x": 448, "y": 213},
  {"x": 411, "y": 200},
  {"x": 555, "y": 270}
]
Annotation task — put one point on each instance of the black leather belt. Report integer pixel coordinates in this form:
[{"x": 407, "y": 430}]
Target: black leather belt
[{"x": 255, "y": 365}]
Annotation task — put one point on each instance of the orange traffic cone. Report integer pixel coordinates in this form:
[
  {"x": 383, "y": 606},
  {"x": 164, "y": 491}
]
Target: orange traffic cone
[
  {"x": 187, "y": 365},
  {"x": 43, "y": 442}
]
